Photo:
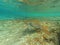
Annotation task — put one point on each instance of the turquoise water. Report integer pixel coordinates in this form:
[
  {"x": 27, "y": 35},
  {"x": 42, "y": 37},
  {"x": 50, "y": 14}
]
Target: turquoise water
[{"x": 14, "y": 9}]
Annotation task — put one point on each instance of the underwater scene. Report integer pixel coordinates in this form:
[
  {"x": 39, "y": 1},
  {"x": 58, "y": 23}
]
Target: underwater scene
[{"x": 29, "y": 22}]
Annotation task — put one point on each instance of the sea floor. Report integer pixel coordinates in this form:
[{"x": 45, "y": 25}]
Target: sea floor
[{"x": 29, "y": 32}]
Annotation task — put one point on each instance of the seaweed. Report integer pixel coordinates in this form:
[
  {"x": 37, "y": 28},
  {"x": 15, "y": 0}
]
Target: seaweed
[
  {"x": 31, "y": 30},
  {"x": 27, "y": 31},
  {"x": 58, "y": 34}
]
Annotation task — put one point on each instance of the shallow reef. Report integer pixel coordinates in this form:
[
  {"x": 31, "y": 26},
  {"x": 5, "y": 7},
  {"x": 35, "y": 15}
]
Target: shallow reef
[
  {"x": 29, "y": 22},
  {"x": 29, "y": 32}
]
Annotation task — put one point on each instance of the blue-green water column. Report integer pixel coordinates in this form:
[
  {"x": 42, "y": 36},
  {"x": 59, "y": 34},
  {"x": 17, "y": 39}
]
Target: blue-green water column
[{"x": 12, "y": 9}]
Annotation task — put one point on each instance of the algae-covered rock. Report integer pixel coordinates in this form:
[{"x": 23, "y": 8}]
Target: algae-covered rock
[{"x": 29, "y": 32}]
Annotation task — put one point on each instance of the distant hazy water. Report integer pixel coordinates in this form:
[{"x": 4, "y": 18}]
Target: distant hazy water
[{"x": 11, "y": 11}]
